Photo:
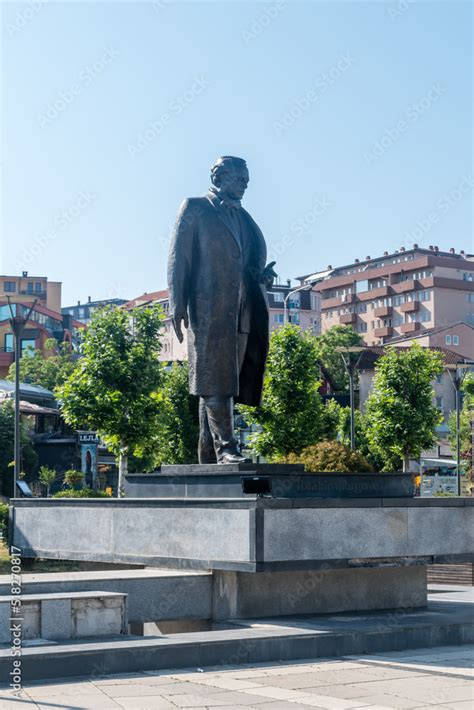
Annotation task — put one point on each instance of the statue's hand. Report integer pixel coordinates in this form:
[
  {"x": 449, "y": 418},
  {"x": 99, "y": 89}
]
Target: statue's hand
[
  {"x": 269, "y": 274},
  {"x": 179, "y": 316}
]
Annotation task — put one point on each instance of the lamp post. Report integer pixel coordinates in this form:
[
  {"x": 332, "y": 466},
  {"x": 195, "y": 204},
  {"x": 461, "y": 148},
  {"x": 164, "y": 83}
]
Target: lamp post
[
  {"x": 351, "y": 365},
  {"x": 17, "y": 324},
  {"x": 457, "y": 374},
  {"x": 304, "y": 287}
]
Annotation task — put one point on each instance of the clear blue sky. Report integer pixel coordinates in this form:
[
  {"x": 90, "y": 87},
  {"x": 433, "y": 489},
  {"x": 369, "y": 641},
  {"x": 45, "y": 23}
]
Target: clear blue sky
[{"x": 355, "y": 119}]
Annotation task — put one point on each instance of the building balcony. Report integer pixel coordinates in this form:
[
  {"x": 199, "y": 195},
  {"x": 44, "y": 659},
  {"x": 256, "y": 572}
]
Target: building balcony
[
  {"x": 384, "y": 332},
  {"x": 347, "y": 318},
  {"x": 383, "y": 311},
  {"x": 410, "y": 307},
  {"x": 405, "y": 286},
  {"x": 409, "y": 327},
  {"x": 6, "y": 358},
  {"x": 337, "y": 301},
  {"x": 381, "y": 292}
]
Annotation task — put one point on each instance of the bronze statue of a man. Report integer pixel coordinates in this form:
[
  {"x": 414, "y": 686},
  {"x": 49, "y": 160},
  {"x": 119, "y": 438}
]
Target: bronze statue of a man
[{"x": 217, "y": 281}]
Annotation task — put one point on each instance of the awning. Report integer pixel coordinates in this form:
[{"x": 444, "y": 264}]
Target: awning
[{"x": 443, "y": 462}]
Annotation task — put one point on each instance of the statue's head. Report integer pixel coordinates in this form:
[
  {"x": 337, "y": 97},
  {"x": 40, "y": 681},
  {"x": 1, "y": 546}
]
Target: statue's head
[{"x": 231, "y": 176}]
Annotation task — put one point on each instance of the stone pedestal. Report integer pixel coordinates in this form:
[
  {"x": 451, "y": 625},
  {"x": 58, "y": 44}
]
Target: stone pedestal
[
  {"x": 246, "y": 480},
  {"x": 247, "y": 595}
]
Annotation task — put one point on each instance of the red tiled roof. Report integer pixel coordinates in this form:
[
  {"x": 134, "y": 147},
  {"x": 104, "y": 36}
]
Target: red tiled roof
[
  {"x": 146, "y": 298},
  {"x": 371, "y": 355}
]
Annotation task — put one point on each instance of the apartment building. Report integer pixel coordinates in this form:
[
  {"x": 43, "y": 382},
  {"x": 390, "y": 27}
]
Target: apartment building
[
  {"x": 83, "y": 312},
  {"x": 302, "y": 308},
  {"x": 45, "y": 322},
  {"x": 406, "y": 293}
]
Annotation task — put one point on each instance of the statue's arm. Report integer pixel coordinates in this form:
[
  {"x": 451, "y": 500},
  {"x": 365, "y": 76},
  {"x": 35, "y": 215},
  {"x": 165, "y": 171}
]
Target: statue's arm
[{"x": 179, "y": 267}]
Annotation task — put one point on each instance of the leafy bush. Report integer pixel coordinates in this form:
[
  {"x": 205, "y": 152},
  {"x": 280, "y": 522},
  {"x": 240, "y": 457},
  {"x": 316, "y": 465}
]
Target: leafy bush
[
  {"x": 3, "y": 520},
  {"x": 83, "y": 493},
  {"x": 74, "y": 478},
  {"x": 47, "y": 476},
  {"x": 331, "y": 457}
]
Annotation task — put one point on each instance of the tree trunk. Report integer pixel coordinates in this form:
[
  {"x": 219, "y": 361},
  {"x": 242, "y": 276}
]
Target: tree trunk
[
  {"x": 406, "y": 462},
  {"x": 123, "y": 470}
]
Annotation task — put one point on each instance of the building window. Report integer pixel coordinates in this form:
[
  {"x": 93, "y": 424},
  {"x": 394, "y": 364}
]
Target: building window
[
  {"x": 10, "y": 286},
  {"x": 362, "y": 327},
  {"x": 9, "y": 342},
  {"x": 439, "y": 403},
  {"x": 278, "y": 318},
  {"x": 361, "y": 286},
  {"x": 447, "y": 339},
  {"x": 29, "y": 287},
  {"x": 278, "y": 296},
  {"x": 295, "y": 318},
  {"x": 467, "y": 277},
  {"x": 439, "y": 378},
  {"x": 455, "y": 339},
  {"x": 27, "y": 346},
  {"x": 38, "y": 287}
]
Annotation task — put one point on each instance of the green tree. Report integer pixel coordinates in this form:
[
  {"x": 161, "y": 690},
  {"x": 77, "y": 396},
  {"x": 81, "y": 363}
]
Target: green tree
[
  {"x": 113, "y": 389},
  {"x": 332, "y": 366},
  {"x": 47, "y": 477},
  {"x": 48, "y": 372},
  {"x": 177, "y": 435},
  {"x": 401, "y": 416},
  {"x": 28, "y": 455},
  {"x": 466, "y": 429},
  {"x": 291, "y": 413}
]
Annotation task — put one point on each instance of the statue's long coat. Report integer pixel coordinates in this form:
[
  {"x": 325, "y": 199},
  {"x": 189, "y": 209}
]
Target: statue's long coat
[{"x": 218, "y": 281}]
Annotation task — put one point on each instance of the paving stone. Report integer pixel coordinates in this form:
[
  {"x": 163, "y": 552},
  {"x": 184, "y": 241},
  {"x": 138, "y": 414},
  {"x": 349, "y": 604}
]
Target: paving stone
[
  {"x": 11, "y": 701},
  {"x": 227, "y": 683},
  {"x": 53, "y": 689},
  {"x": 388, "y": 701},
  {"x": 428, "y": 689},
  {"x": 145, "y": 688},
  {"x": 348, "y": 691},
  {"x": 86, "y": 702},
  {"x": 137, "y": 679},
  {"x": 144, "y": 703},
  {"x": 226, "y": 699},
  {"x": 328, "y": 702},
  {"x": 277, "y": 693}
]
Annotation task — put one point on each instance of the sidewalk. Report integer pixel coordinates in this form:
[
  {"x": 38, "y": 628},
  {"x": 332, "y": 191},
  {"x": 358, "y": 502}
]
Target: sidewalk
[{"x": 422, "y": 678}]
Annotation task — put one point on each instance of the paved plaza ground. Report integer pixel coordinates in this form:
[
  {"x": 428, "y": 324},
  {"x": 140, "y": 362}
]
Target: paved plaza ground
[{"x": 422, "y": 678}]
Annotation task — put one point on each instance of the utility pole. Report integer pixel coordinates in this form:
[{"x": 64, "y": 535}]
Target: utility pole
[
  {"x": 17, "y": 324},
  {"x": 351, "y": 366}
]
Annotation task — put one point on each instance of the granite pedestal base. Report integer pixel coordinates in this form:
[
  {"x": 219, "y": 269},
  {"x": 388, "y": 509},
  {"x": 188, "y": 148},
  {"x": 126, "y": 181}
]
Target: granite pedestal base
[{"x": 246, "y": 595}]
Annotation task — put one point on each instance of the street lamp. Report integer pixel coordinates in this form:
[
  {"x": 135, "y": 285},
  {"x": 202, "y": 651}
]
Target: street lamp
[
  {"x": 17, "y": 324},
  {"x": 351, "y": 364},
  {"x": 457, "y": 374},
  {"x": 304, "y": 287}
]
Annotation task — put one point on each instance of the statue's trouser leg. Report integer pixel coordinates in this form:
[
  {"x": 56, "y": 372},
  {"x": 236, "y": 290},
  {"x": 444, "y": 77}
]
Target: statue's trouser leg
[
  {"x": 206, "y": 450},
  {"x": 220, "y": 417},
  {"x": 209, "y": 441}
]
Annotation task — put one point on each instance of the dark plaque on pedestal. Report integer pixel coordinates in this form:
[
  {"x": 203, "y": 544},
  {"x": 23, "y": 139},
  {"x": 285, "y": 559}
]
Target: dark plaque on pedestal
[{"x": 244, "y": 480}]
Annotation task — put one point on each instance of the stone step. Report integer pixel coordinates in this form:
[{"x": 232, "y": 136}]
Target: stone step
[
  {"x": 451, "y": 574},
  {"x": 153, "y": 594},
  {"x": 66, "y": 615},
  {"x": 251, "y": 641}
]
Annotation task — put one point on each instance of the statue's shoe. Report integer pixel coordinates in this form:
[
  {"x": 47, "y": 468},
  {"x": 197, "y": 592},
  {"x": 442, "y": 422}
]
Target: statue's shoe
[{"x": 232, "y": 458}]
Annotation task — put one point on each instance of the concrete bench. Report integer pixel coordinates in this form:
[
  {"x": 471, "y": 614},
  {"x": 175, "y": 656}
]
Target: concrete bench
[
  {"x": 64, "y": 615},
  {"x": 152, "y": 594}
]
